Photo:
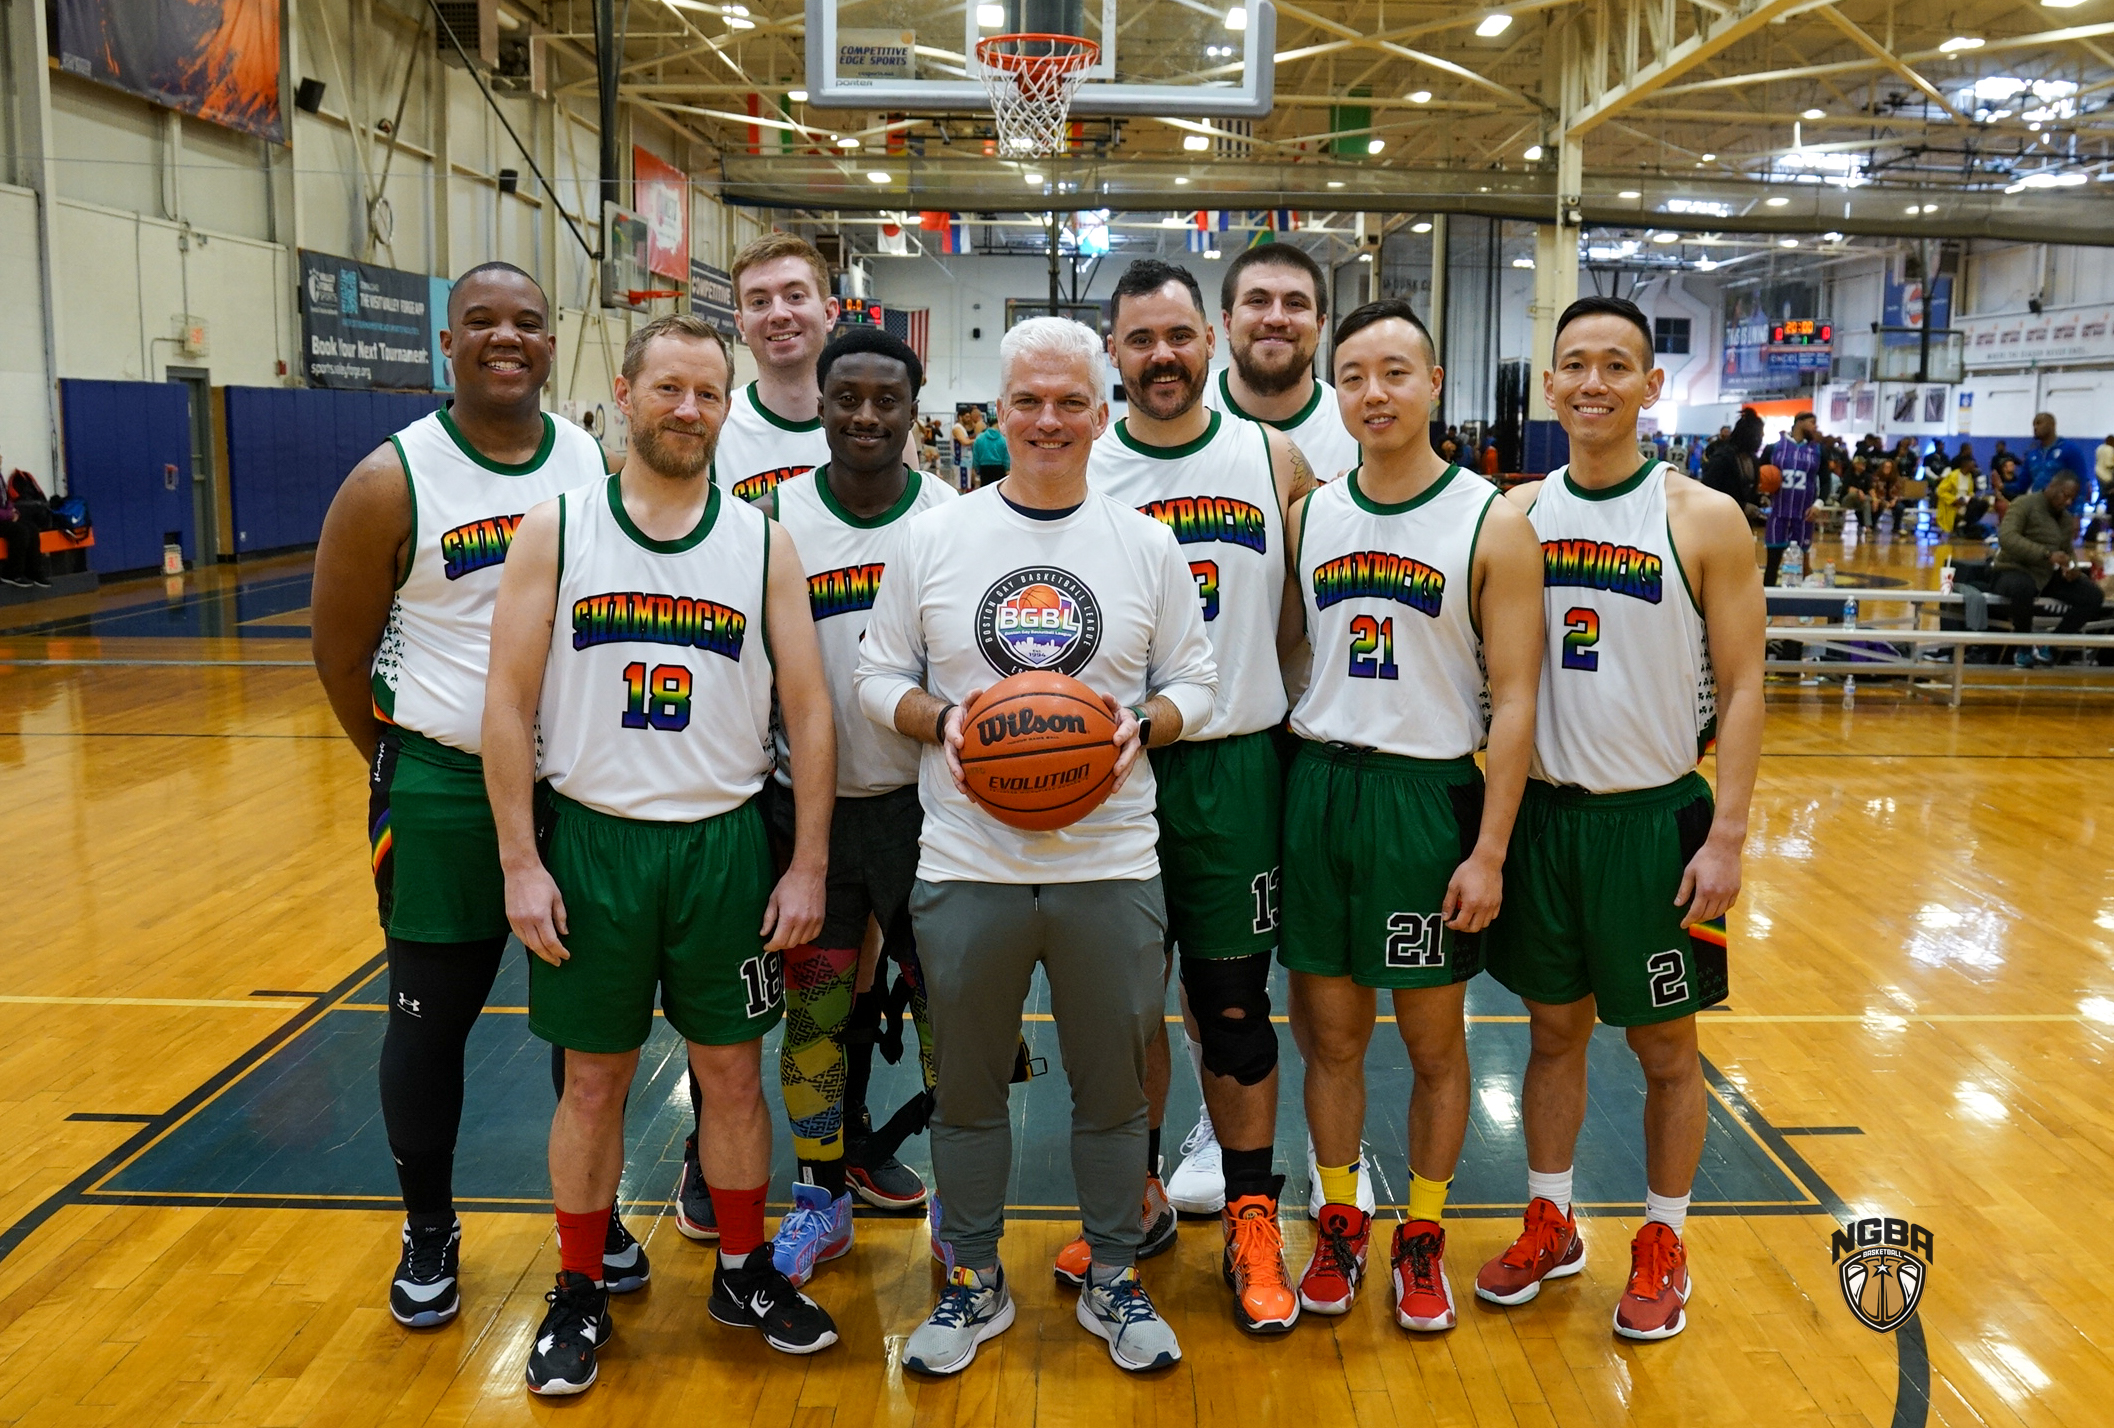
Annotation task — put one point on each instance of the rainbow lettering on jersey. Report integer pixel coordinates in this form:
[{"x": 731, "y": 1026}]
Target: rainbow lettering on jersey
[
  {"x": 477, "y": 545},
  {"x": 748, "y": 488},
  {"x": 1195, "y": 519},
  {"x": 843, "y": 592},
  {"x": 1600, "y": 565},
  {"x": 1379, "y": 575},
  {"x": 658, "y": 620}
]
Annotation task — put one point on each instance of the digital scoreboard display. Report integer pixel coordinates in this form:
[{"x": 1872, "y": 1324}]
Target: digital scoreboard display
[{"x": 1803, "y": 332}]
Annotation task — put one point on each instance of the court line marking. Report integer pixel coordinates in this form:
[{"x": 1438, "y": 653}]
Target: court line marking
[
  {"x": 251, "y": 1003},
  {"x": 180, "y": 663},
  {"x": 149, "y": 734},
  {"x": 1794, "y": 1019}
]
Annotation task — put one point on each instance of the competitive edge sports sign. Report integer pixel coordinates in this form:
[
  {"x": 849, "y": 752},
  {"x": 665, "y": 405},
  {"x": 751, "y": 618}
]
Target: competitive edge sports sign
[{"x": 364, "y": 326}]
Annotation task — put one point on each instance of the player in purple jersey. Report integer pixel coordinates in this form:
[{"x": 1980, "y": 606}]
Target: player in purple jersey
[{"x": 1797, "y": 455}]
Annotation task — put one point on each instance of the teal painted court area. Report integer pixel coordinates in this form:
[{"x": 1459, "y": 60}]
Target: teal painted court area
[{"x": 299, "y": 1123}]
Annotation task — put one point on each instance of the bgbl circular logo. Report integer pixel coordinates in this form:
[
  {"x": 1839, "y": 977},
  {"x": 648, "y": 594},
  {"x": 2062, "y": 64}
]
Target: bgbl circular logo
[{"x": 1038, "y": 618}]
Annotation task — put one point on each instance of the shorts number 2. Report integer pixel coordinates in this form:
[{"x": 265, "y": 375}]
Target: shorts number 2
[{"x": 1669, "y": 977}]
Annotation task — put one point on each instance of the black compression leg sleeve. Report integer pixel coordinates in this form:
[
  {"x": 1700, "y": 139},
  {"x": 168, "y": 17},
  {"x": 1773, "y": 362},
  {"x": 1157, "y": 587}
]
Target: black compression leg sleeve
[{"x": 436, "y": 990}]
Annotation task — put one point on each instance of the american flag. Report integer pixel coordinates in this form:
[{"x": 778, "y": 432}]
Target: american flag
[{"x": 913, "y": 325}]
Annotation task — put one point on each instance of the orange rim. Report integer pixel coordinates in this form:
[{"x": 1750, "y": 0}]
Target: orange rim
[{"x": 1082, "y": 54}]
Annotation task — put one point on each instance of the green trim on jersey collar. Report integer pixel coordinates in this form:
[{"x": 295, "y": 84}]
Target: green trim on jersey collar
[
  {"x": 1623, "y": 487},
  {"x": 912, "y": 485},
  {"x": 1169, "y": 453},
  {"x": 677, "y": 546},
  {"x": 776, "y": 420},
  {"x": 500, "y": 468},
  {"x": 1225, "y": 392},
  {"x": 1368, "y": 504}
]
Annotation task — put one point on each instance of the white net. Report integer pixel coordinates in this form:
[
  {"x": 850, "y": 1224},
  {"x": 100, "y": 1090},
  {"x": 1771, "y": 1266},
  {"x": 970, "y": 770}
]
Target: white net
[{"x": 1031, "y": 80}]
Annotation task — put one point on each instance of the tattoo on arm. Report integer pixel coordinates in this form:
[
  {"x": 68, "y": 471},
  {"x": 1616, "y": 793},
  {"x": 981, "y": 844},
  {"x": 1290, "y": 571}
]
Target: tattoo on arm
[{"x": 1303, "y": 479}]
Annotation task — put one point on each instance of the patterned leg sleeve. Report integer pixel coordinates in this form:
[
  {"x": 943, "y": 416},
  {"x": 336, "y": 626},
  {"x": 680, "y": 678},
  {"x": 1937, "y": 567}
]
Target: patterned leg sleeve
[{"x": 818, "y": 995}]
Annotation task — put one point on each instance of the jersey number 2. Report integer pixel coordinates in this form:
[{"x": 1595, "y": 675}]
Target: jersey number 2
[
  {"x": 657, "y": 700},
  {"x": 1373, "y": 648},
  {"x": 1581, "y": 632}
]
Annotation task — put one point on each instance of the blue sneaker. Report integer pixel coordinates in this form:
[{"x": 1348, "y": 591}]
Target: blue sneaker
[{"x": 815, "y": 1229}]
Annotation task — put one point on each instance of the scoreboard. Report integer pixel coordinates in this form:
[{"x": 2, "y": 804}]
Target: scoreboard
[{"x": 1802, "y": 332}]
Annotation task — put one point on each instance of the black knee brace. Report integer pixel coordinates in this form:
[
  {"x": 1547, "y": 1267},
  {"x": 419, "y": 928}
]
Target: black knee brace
[{"x": 1243, "y": 1046}]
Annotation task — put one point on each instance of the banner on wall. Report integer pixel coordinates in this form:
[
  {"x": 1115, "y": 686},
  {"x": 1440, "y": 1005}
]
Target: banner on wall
[
  {"x": 216, "y": 59},
  {"x": 712, "y": 297},
  {"x": 661, "y": 195},
  {"x": 364, "y": 326},
  {"x": 1902, "y": 308},
  {"x": 2024, "y": 339}
]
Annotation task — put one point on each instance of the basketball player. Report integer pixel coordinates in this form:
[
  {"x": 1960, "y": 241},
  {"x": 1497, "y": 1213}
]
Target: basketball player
[
  {"x": 1622, "y": 869},
  {"x": 784, "y": 311},
  {"x": 1273, "y": 302},
  {"x": 1039, "y": 572},
  {"x": 1416, "y": 578},
  {"x": 406, "y": 571},
  {"x": 1222, "y": 485},
  {"x": 847, "y": 517},
  {"x": 642, "y": 867}
]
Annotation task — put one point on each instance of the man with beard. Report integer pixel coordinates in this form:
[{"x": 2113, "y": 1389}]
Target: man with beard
[
  {"x": 406, "y": 572},
  {"x": 1223, "y": 486},
  {"x": 640, "y": 866},
  {"x": 1272, "y": 304},
  {"x": 784, "y": 312}
]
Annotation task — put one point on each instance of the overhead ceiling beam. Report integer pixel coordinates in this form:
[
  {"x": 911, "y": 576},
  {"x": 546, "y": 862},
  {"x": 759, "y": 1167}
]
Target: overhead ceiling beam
[
  {"x": 2040, "y": 40},
  {"x": 1888, "y": 58},
  {"x": 1695, "y": 50},
  {"x": 1446, "y": 66}
]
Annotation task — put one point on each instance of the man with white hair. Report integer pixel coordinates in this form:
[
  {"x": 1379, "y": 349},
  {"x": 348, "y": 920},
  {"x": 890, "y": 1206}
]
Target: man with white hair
[{"x": 1085, "y": 901}]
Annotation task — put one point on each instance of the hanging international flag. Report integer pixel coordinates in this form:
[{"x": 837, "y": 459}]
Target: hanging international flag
[
  {"x": 894, "y": 241},
  {"x": 1212, "y": 220},
  {"x": 954, "y": 234}
]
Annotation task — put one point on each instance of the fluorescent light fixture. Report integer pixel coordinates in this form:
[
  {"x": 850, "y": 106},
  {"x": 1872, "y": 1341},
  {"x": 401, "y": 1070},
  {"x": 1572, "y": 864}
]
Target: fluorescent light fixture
[
  {"x": 1831, "y": 237},
  {"x": 2044, "y": 179},
  {"x": 1706, "y": 265},
  {"x": 1174, "y": 221},
  {"x": 1237, "y": 17},
  {"x": 1196, "y": 142},
  {"x": 2062, "y": 4},
  {"x": 1421, "y": 226},
  {"x": 990, "y": 17},
  {"x": 847, "y": 142},
  {"x": 1180, "y": 179},
  {"x": 1335, "y": 183},
  {"x": 1629, "y": 193},
  {"x": 1776, "y": 202},
  {"x": 1533, "y": 152},
  {"x": 1787, "y": 242},
  {"x": 1710, "y": 158},
  {"x": 1365, "y": 257},
  {"x": 1666, "y": 237},
  {"x": 798, "y": 96},
  {"x": 738, "y": 18},
  {"x": 1212, "y": 254},
  {"x": 1421, "y": 96},
  {"x": 1930, "y": 208},
  {"x": 1958, "y": 43},
  {"x": 1031, "y": 177},
  {"x": 1523, "y": 262},
  {"x": 1915, "y": 208},
  {"x": 1814, "y": 114},
  {"x": 1374, "y": 146},
  {"x": 877, "y": 176},
  {"x": 1494, "y": 25}
]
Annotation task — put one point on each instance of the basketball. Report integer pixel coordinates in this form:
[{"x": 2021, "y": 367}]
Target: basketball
[
  {"x": 1038, "y": 751},
  {"x": 1772, "y": 479}
]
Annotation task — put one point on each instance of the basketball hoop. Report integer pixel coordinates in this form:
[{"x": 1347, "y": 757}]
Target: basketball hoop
[
  {"x": 641, "y": 295},
  {"x": 1031, "y": 80}
]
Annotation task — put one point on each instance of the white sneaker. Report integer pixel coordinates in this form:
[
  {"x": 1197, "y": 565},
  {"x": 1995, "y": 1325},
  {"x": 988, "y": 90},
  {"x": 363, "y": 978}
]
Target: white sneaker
[
  {"x": 1198, "y": 1185},
  {"x": 1314, "y": 1201}
]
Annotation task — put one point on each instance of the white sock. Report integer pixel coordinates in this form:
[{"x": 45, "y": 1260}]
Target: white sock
[
  {"x": 1554, "y": 1187},
  {"x": 1669, "y": 1210},
  {"x": 732, "y": 1261},
  {"x": 1196, "y": 1064}
]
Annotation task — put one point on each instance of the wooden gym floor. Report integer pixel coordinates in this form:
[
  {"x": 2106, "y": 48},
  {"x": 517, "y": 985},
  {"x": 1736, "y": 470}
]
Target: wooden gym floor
[{"x": 194, "y": 1208}]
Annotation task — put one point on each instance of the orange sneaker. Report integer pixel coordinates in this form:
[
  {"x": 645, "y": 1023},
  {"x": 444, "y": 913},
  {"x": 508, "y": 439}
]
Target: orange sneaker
[
  {"x": 1423, "y": 1298},
  {"x": 1653, "y": 1304},
  {"x": 1341, "y": 1235},
  {"x": 1156, "y": 1218},
  {"x": 1550, "y": 1247},
  {"x": 1263, "y": 1301}
]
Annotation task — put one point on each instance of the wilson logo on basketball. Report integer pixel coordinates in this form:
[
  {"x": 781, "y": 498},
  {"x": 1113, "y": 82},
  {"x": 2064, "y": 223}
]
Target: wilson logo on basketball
[
  {"x": 1883, "y": 1265},
  {"x": 1019, "y": 725}
]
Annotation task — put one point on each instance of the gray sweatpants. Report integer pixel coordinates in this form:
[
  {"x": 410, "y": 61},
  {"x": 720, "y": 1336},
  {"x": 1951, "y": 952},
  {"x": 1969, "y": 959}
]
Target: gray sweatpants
[{"x": 1101, "y": 945}]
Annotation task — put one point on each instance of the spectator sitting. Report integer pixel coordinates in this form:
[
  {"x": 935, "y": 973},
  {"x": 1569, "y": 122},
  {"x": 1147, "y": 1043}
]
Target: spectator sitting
[
  {"x": 24, "y": 517},
  {"x": 2033, "y": 561}
]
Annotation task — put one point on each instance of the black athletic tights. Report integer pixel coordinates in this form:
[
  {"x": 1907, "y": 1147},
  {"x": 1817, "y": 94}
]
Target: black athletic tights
[{"x": 436, "y": 990}]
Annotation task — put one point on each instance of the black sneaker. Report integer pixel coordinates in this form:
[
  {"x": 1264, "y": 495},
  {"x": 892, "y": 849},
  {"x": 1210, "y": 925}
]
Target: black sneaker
[
  {"x": 885, "y": 1183},
  {"x": 624, "y": 1264},
  {"x": 693, "y": 1202},
  {"x": 423, "y": 1294},
  {"x": 562, "y": 1360},
  {"x": 757, "y": 1296}
]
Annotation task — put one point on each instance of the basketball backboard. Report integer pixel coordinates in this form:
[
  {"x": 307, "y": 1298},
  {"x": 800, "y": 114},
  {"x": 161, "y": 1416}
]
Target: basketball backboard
[{"x": 1158, "y": 57}]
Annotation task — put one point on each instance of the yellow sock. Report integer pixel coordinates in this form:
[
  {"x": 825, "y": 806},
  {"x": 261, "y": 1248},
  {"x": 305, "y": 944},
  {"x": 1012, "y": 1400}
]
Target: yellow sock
[
  {"x": 1339, "y": 1183},
  {"x": 1427, "y": 1198}
]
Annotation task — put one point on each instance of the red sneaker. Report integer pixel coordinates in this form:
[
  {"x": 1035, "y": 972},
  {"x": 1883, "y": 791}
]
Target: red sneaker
[
  {"x": 1550, "y": 1247},
  {"x": 1653, "y": 1303},
  {"x": 1341, "y": 1236},
  {"x": 1423, "y": 1298}
]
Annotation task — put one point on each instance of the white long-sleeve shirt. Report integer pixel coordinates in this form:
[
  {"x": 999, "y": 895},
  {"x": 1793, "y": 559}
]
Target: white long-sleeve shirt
[{"x": 978, "y": 591}]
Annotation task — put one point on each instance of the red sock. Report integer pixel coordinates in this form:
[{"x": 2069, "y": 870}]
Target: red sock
[
  {"x": 580, "y": 1240},
  {"x": 740, "y": 1216}
]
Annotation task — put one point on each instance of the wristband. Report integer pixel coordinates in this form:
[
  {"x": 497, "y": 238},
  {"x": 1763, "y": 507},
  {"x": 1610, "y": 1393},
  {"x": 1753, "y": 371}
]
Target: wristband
[{"x": 939, "y": 725}]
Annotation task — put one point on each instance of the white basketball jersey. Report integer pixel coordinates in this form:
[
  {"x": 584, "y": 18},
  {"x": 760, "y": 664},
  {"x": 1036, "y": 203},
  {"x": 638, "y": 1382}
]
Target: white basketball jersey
[
  {"x": 843, "y": 557},
  {"x": 1318, "y": 430},
  {"x": 657, "y": 695},
  {"x": 1627, "y": 696},
  {"x": 1398, "y": 665},
  {"x": 437, "y": 648},
  {"x": 1218, "y": 497},
  {"x": 758, "y": 448}
]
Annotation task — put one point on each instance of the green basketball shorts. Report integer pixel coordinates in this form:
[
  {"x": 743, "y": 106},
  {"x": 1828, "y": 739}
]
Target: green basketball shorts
[
  {"x": 1589, "y": 903},
  {"x": 1371, "y": 841},
  {"x": 1220, "y": 810},
  {"x": 435, "y": 851},
  {"x": 667, "y": 907}
]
